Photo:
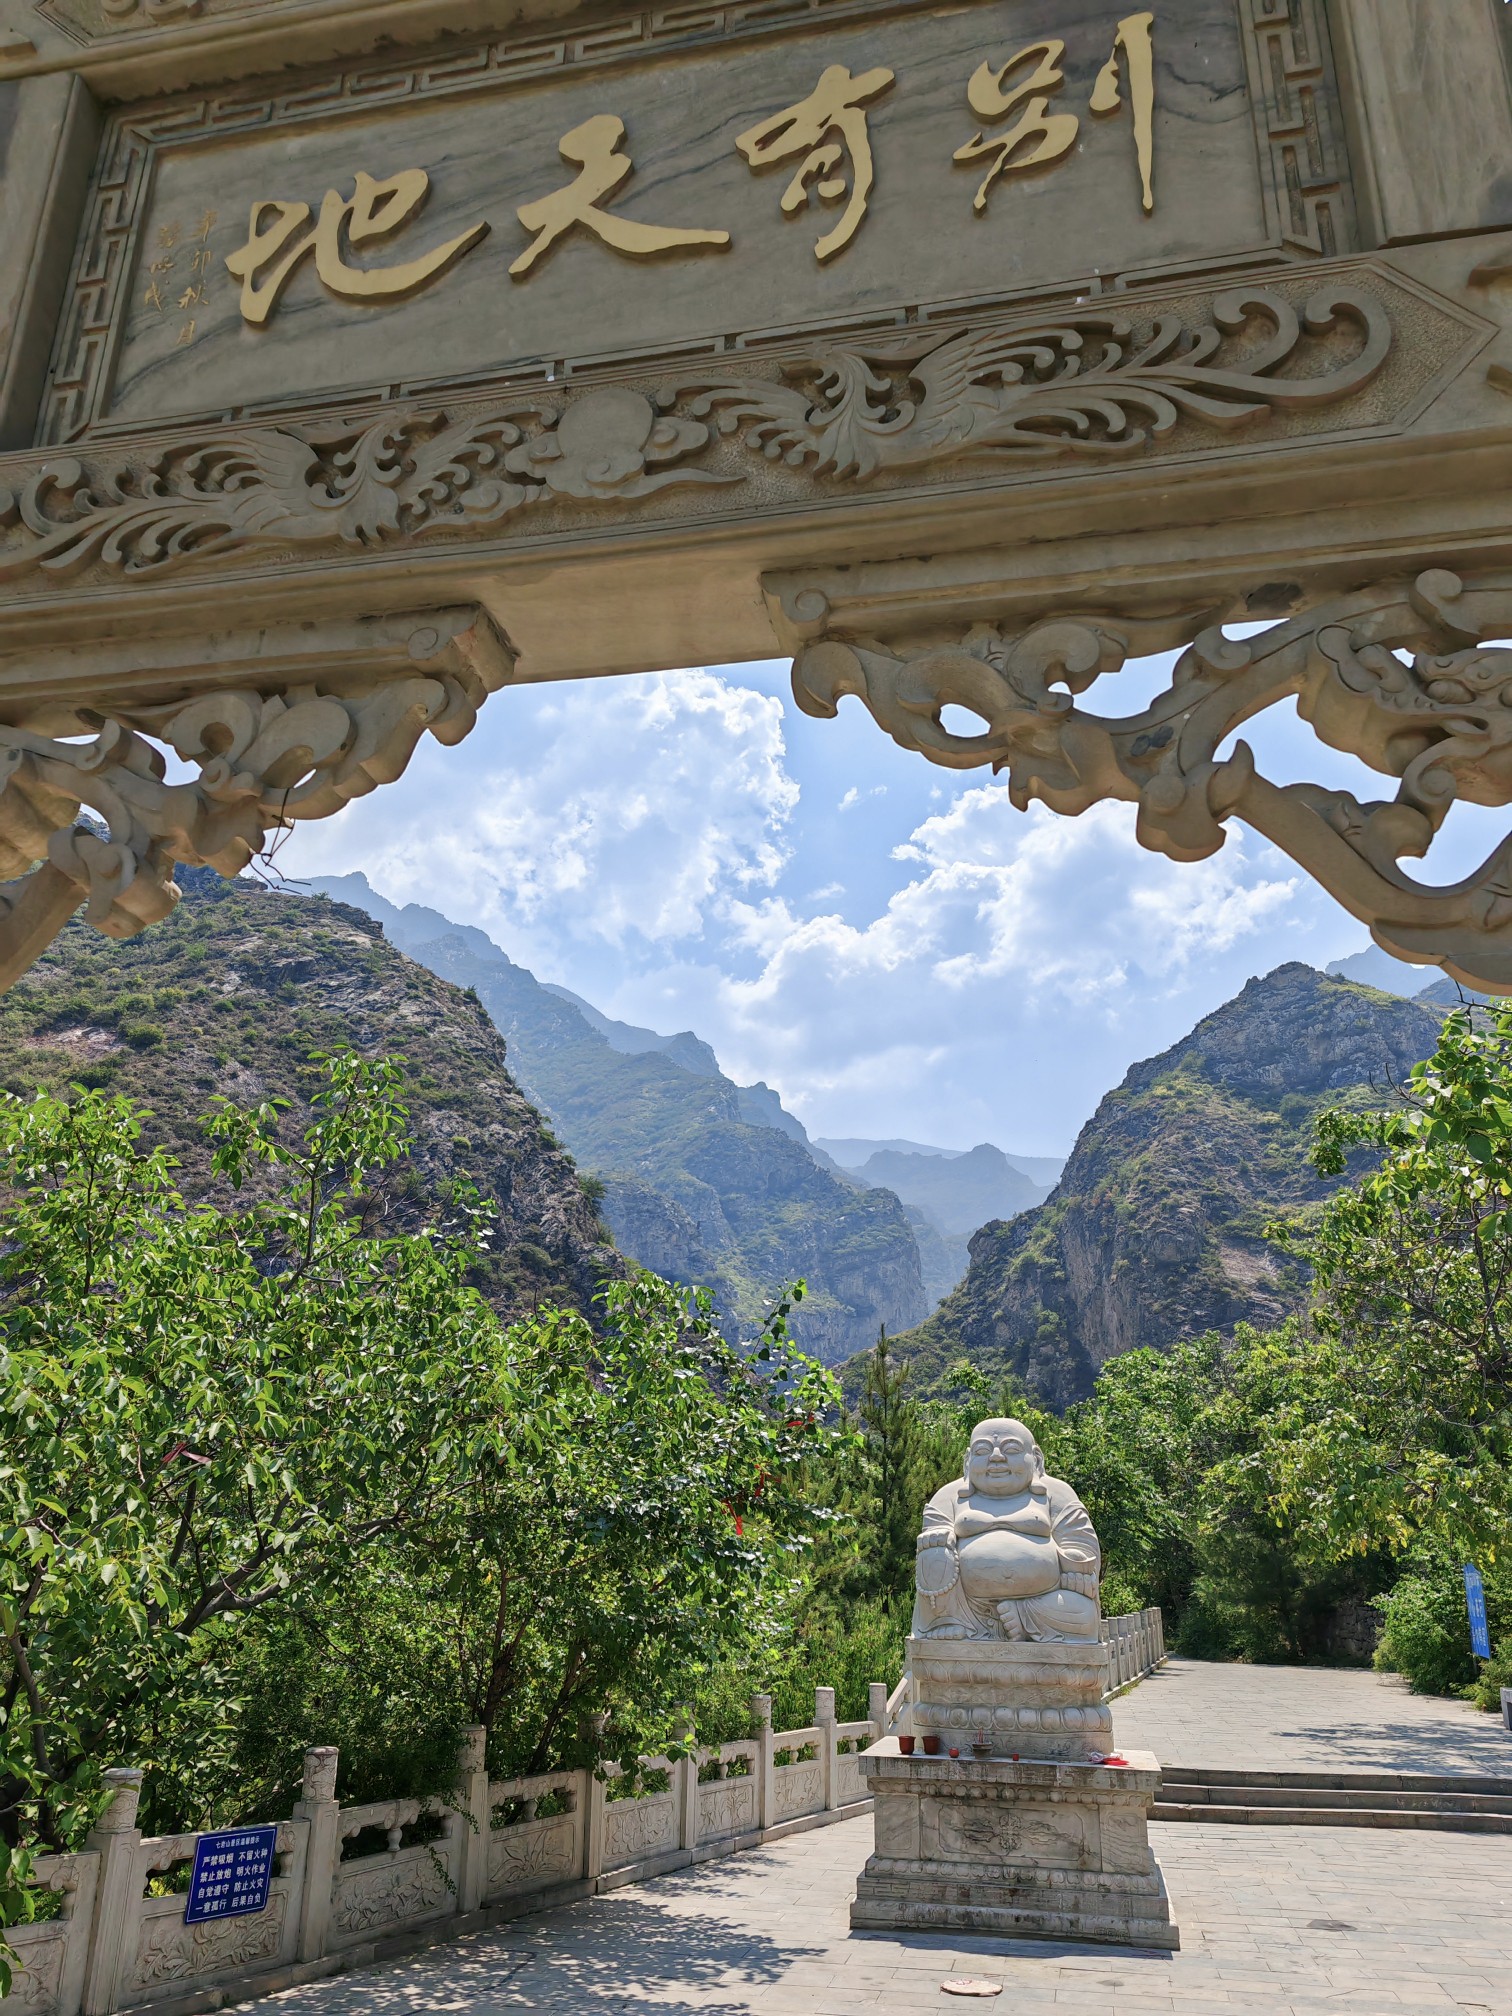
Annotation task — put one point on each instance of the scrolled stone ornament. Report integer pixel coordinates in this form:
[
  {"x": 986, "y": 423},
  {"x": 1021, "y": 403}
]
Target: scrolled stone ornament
[
  {"x": 1398, "y": 674},
  {"x": 264, "y": 761}
]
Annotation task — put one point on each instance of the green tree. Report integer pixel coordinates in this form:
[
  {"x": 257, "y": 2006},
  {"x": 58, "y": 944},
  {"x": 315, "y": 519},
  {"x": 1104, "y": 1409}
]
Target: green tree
[
  {"x": 1399, "y": 1418},
  {"x": 891, "y": 1458},
  {"x": 654, "y": 1533},
  {"x": 205, "y": 1411}
]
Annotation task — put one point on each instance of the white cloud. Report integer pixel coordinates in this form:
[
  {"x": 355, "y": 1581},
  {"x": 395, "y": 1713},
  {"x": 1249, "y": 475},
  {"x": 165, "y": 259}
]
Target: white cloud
[
  {"x": 971, "y": 972},
  {"x": 616, "y": 812},
  {"x": 1013, "y": 934}
]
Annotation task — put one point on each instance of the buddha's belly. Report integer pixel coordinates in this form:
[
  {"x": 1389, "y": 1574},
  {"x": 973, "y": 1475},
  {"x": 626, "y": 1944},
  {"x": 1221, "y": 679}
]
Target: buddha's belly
[{"x": 998, "y": 1565}]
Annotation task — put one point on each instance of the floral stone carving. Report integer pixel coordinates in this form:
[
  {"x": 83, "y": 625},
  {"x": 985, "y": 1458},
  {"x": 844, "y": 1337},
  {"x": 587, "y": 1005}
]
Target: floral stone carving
[
  {"x": 1439, "y": 721},
  {"x": 373, "y": 1900},
  {"x": 634, "y": 1828},
  {"x": 170, "y": 1950},
  {"x": 1093, "y": 385},
  {"x": 1089, "y": 385},
  {"x": 519, "y": 1857},
  {"x": 37, "y": 1971}
]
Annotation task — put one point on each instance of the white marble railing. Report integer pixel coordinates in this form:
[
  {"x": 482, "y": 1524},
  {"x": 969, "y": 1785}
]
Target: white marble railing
[
  {"x": 1136, "y": 1646},
  {"x": 488, "y": 1850}
]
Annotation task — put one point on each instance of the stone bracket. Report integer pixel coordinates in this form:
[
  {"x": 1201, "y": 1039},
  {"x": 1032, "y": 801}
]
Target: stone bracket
[
  {"x": 288, "y": 724},
  {"x": 1396, "y": 673}
]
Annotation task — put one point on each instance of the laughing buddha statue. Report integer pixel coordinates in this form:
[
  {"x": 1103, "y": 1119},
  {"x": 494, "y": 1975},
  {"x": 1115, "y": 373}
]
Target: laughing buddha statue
[{"x": 1007, "y": 1552}]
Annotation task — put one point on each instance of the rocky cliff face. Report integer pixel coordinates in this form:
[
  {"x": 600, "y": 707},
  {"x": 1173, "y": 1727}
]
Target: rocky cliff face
[
  {"x": 693, "y": 1189},
  {"x": 1154, "y": 1232},
  {"x": 232, "y": 993}
]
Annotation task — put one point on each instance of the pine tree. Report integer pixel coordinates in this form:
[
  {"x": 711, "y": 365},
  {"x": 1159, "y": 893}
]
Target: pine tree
[{"x": 890, "y": 1422}]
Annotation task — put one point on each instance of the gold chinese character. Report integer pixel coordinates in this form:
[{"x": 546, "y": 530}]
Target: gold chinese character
[
  {"x": 1135, "y": 38},
  {"x": 185, "y": 335},
  {"x": 192, "y": 297},
  {"x": 199, "y": 259},
  {"x": 206, "y": 225},
  {"x": 1041, "y": 137},
  {"x": 594, "y": 148},
  {"x": 373, "y": 210},
  {"x": 834, "y": 106},
  {"x": 153, "y": 298},
  {"x": 161, "y": 266},
  {"x": 167, "y": 236}
]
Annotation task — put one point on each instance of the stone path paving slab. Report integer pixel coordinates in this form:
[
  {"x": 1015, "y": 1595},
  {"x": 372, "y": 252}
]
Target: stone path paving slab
[
  {"x": 1291, "y": 1718},
  {"x": 1274, "y": 1922}
]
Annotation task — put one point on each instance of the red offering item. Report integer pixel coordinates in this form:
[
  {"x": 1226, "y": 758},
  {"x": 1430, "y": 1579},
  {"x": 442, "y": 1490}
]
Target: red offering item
[
  {"x": 905, "y": 1746},
  {"x": 1117, "y": 1760},
  {"x": 955, "y": 1753}
]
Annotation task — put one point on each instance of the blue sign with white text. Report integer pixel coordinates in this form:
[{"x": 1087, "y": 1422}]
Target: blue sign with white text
[
  {"x": 1475, "y": 1597},
  {"x": 231, "y": 1874}
]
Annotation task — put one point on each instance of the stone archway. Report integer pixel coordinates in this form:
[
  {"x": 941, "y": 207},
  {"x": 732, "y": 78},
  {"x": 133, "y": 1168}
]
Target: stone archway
[{"x": 325, "y": 413}]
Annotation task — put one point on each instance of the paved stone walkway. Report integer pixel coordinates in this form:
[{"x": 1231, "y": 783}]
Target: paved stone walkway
[
  {"x": 1273, "y": 1921},
  {"x": 1289, "y": 1718}
]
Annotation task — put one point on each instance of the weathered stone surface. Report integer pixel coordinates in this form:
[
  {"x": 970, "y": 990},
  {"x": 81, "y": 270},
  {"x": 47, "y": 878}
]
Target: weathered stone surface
[{"x": 1017, "y": 1849}]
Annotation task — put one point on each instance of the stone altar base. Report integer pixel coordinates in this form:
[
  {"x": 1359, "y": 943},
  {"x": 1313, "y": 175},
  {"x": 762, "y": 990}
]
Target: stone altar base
[
  {"x": 1041, "y": 1701},
  {"x": 1023, "y": 1850}
]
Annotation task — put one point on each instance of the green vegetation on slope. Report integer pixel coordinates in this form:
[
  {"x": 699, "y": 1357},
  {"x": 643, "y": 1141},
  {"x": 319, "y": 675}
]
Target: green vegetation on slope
[
  {"x": 691, "y": 1189},
  {"x": 1155, "y": 1232},
  {"x": 232, "y": 994}
]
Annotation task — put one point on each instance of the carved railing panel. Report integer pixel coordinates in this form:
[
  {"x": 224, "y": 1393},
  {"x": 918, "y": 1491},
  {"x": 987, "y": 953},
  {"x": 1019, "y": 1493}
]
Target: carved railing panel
[
  {"x": 166, "y": 1956},
  {"x": 48, "y": 1959},
  {"x": 396, "y": 1886},
  {"x": 530, "y": 1850}
]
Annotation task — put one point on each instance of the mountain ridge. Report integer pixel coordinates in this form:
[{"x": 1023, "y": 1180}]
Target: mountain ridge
[
  {"x": 232, "y": 992},
  {"x": 692, "y": 1185},
  {"x": 1154, "y": 1231}
]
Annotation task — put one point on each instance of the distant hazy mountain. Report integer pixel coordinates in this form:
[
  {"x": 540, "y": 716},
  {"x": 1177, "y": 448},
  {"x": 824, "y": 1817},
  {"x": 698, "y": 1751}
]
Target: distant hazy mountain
[
  {"x": 960, "y": 1192},
  {"x": 1447, "y": 993},
  {"x": 705, "y": 1181},
  {"x": 853, "y": 1151},
  {"x": 1375, "y": 968},
  {"x": 685, "y": 1048},
  {"x": 947, "y": 1192}
]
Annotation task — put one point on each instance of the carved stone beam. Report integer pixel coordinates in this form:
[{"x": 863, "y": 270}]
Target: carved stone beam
[
  {"x": 270, "y": 740},
  {"x": 1439, "y": 721}
]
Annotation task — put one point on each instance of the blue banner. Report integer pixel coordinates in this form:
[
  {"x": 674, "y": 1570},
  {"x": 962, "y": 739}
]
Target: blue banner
[
  {"x": 231, "y": 1874},
  {"x": 1475, "y": 1598}
]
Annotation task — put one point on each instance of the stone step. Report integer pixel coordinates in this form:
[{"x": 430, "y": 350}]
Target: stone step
[
  {"x": 1335, "y": 1797},
  {"x": 1341, "y": 1781},
  {"x": 1332, "y": 1816}
]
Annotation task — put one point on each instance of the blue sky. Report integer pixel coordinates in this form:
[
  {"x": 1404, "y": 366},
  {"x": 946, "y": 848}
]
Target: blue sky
[{"x": 889, "y": 944}]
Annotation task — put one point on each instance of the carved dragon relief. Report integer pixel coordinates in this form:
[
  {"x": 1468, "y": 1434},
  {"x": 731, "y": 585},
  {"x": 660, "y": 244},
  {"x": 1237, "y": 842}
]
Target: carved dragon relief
[
  {"x": 264, "y": 759},
  {"x": 1439, "y": 721},
  {"x": 1092, "y": 386}
]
